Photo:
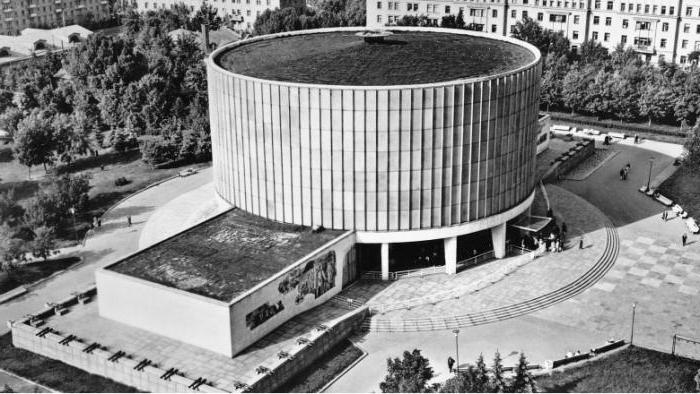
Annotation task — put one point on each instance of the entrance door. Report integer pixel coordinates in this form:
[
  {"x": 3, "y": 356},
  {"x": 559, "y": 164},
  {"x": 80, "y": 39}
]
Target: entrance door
[{"x": 350, "y": 267}]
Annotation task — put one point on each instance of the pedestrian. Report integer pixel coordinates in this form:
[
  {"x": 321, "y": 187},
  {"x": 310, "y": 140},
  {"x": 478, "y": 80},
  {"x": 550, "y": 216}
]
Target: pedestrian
[
  {"x": 102, "y": 167},
  {"x": 563, "y": 227},
  {"x": 684, "y": 238},
  {"x": 580, "y": 243},
  {"x": 622, "y": 173},
  {"x": 636, "y": 138},
  {"x": 663, "y": 215},
  {"x": 128, "y": 220},
  {"x": 450, "y": 363},
  {"x": 99, "y": 223},
  {"x": 522, "y": 243}
]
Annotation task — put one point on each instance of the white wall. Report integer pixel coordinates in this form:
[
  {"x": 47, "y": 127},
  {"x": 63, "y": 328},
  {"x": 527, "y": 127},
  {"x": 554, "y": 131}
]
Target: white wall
[
  {"x": 176, "y": 314},
  {"x": 268, "y": 292}
]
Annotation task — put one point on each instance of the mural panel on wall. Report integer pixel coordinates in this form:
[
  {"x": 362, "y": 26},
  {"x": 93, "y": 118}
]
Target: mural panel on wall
[
  {"x": 315, "y": 277},
  {"x": 262, "y": 313}
]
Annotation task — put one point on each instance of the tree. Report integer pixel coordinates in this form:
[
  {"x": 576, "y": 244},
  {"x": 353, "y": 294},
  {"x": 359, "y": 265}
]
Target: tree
[
  {"x": 10, "y": 211},
  {"x": 34, "y": 141},
  {"x": 70, "y": 141},
  {"x": 692, "y": 145},
  {"x": 408, "y": 375},
  {"x": 481, "y": 376},
  {"x": 12, "y": 249},
  {"x": 463, "y": 382},
  {"x": 448, "y": 21},
  {"x": 459, "y": 22},
  {"x": 206, "y": 15},
  {"x": 7, "y": 389},
  {"x": 498, "y": 381},
  {"x": 547, "y": 41},
  {"x": 575, "y": 88},
  {"x": 593, "y": 52},
  {"x": 6, "y": 97},
  {"x": 44, "y": 242},
  {"x": 9, "y": 120},
  {"x": 523, "y": 382}
]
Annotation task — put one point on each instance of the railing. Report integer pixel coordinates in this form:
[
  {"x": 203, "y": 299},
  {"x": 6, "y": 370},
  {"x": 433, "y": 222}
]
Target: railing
[{"x": 511, "y": 250}]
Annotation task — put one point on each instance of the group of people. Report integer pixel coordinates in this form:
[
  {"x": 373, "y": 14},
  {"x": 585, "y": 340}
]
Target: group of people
[
  {"x": 624, "y": 171},
  {"x": 553, "y": 243}
]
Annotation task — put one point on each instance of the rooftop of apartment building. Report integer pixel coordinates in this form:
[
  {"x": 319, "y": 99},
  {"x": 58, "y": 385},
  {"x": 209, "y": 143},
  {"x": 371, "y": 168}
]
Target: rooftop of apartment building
[
  {"x": 35, "y": 41},
  {"x": 342, "y": 58},
  {"x": 224, "y": 256}
]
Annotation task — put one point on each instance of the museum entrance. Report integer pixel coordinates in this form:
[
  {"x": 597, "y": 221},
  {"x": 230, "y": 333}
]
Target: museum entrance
[
  {"x": 414, "y": 255},
  {"x": 474, "y": 244}
]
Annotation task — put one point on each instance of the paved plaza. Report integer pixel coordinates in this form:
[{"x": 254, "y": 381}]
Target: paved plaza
[
  {"x": 509, "y": 281},
  {"x": 193, "y": 362},
  {"x": 652, "y": 269}
]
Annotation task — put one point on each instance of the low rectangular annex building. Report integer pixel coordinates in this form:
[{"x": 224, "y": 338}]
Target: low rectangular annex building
[{"x": 226, "y": 283}]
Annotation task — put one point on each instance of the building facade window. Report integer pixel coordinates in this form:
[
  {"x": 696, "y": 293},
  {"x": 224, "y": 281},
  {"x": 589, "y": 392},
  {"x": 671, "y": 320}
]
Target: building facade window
[
  {"x": 623, "y": 39},
  {"x": 662, "y": 43},
  {"x": 608, "y": 21},
  {"x": 606, "y": 37},
  {"x": 625, "y": 23},
  {"x": 594, "y": 36}
]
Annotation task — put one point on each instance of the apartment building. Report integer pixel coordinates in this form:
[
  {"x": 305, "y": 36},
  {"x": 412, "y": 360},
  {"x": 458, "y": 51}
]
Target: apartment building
[
  {"x": 18, "y": 15},
  {"x": 656, "y": 29},
  {"x": 244, "y": 12}
]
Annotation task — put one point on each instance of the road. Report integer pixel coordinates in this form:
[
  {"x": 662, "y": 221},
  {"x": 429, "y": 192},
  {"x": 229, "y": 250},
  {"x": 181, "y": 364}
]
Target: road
[
  {"x": 621, "y": 200},
  {"x": 113, "y": 241}
]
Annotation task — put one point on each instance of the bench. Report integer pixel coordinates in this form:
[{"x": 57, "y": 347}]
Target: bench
[
  {"x": 692, "y": 225},
  {"x": 615, "y": 134},
  {"x": 677, "y": 209},
  {"x": 664, "y": 200},
  {"x": 651, "y": 191}
]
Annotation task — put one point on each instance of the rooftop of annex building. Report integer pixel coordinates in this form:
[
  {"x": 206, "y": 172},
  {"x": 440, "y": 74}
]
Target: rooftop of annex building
[
  {"x": 224, "y": 256},
  {"x": 402, "y": 58}
]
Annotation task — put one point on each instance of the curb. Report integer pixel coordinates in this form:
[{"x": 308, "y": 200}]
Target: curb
[
  {"x": 14, "y": 293},
  {"x": 347, "y": 369},
  {"x": 22, "y": 378},
  {"x": 152, "y": 185},
  {"x": 594, "y": 169}
]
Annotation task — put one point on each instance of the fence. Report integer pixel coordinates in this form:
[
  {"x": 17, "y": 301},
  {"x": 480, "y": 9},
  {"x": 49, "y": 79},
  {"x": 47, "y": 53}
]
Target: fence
[
  {"x": 511, "y": 250},
  {"x": 685, "y": 347}
]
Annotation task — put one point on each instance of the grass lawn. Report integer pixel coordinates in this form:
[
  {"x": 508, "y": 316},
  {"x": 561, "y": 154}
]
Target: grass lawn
[
  {"x": 683, "y": 187},
  {"x": 52, "y": 373},
  {"x": 32, "y": 272},
  {"x": 631, "y": 370},
  {"x": 103, "y": 192},
  {"x": 403, "y": 58},
  {"x": 326, "y": 368}
]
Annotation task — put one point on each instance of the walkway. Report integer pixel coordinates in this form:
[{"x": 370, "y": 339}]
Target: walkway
[{"x": 113, "y": 241}]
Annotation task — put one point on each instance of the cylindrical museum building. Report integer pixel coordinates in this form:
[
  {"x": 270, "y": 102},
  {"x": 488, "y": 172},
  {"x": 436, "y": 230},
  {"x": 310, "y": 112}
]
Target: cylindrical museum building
[{"x": 410, "y": 135}]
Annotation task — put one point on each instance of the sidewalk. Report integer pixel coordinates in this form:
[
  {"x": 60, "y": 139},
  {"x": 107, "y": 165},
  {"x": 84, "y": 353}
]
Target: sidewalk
[{"x": 111, "y": 242}]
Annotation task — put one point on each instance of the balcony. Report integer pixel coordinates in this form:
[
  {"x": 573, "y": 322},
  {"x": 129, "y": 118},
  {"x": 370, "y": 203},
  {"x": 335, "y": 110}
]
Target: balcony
[
  {"x": 80, "y": 6},
  {"x": 644, "y": 48},
  {"x": 57, "y": 2},
  {"x": 7, "y": 10},
  {"x": 59, "y": 10},
  {"x": 32, "y": 15},
  {"x": 31, "y": 6},
  {"x": 9, "y": 19},
  {"x": 6, "y": 1}
]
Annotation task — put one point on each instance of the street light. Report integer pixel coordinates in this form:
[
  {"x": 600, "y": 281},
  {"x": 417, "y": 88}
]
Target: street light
[
  {"x": 75, "y": 231},
  {"x": 634, "y": 309},
  {"x": 651, "y": 163},
  {"x": 456, "y": 332}
]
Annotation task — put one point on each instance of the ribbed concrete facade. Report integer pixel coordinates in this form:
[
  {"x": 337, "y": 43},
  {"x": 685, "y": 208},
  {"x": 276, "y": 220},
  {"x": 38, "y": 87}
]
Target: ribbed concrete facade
[{"x": 375, "y": 158}]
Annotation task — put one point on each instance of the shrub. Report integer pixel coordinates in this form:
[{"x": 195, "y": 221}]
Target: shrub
[
  {"x": 121, "y": 181},
  {"x": 158, "y": 149}
]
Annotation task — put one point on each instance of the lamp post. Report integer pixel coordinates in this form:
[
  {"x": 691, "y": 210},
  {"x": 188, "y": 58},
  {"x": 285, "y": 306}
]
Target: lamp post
[
  {"x": 651, "y": 163},
  {"x": 456, "y": 332},
  {"x": 634, "y": 309},
  {"x": 75, "y": 231}
]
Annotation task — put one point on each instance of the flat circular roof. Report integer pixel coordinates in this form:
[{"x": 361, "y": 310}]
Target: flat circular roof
[{"x": 404, "y": 58}]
